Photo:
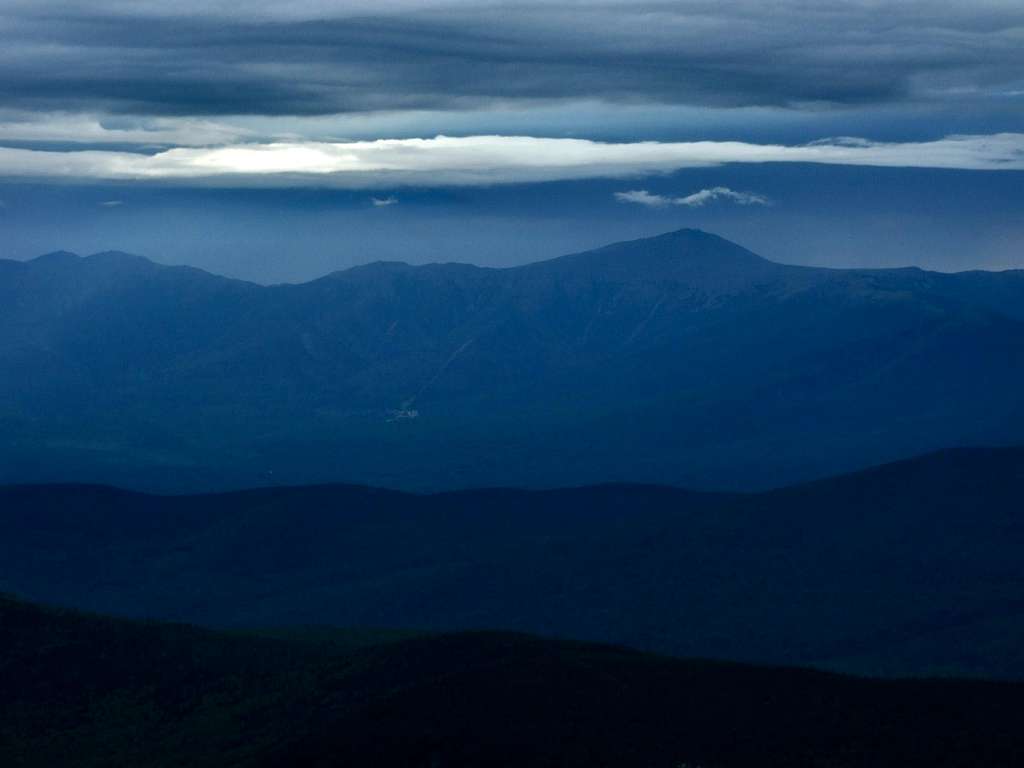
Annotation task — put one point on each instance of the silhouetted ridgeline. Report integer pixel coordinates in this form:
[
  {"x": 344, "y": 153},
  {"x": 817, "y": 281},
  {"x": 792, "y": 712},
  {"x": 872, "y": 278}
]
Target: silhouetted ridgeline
[
  {"x": 910, "y": 568},
  {"x": 681, "y": 359},
  {"x": 88, "y": 691}
]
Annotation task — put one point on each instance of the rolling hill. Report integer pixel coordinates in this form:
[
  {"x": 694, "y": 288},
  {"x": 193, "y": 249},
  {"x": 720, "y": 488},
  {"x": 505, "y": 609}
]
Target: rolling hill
[
  {"x": 911, "y": 568},
  {"x": 682, "y": 359},
  {"x": 89, "y": 691}
]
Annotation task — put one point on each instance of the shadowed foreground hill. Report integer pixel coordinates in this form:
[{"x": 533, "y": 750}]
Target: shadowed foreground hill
[
  {"x": 87, "y": 691},
  {"x": 682, "y": 359},
  {"x": 906, "y": 569}
]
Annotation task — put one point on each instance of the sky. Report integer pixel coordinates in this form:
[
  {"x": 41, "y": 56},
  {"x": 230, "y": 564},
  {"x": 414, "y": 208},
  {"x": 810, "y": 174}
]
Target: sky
[{"x": 280, "y": 141}]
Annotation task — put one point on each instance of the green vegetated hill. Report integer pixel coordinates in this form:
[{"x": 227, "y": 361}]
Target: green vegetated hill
[
  {"x": 682, "y": 359},
  {"x": 907, "y": 569},
  {"x": 81, "y": 690}
]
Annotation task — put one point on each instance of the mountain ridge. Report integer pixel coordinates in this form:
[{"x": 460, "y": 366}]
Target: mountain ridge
[
  {"x": 687, "y": 232},
  {"x": 973, "y": 454},
  {"x": 717, "y": 368},
  {"x": 906, "y": 569},
  {"x": 335, "y": 697}
]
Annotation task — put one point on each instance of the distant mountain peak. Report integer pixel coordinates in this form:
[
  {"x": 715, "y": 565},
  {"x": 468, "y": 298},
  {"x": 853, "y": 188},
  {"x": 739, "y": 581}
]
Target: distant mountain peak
[
  {"x": 56, "y": 258},
  {"x": 696, "y": 243},
  {"x": 61, "y": 259},
  {"x": 689, "y": 255},
  {"x": 691, "y": 232}
]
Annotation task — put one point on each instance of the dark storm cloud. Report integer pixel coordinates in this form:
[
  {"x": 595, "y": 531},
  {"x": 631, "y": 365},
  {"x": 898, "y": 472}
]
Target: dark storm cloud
[{"x": 142, "y": 58}]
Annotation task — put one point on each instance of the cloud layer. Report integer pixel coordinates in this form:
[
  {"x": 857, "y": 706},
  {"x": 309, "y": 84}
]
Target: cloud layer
[
  {"x": 694, "y": 200},
  {"x": 485, "y": 160},
  {"x": 143, "y": 57}
]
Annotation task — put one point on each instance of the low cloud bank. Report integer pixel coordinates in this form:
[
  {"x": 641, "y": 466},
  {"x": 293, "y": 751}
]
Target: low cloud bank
[{"x": 487, "y": 160}]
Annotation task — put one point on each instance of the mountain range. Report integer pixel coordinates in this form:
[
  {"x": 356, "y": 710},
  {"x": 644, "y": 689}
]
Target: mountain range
[
  {"x": 682, "y": 359},
  {"x": 911, "y": 568},
  {"x": 90, "y": 691}
]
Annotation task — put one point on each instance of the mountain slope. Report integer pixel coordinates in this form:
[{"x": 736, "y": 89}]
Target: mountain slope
[
  {"x": 911, "y": 568},
  {"x": 91, "y": 691},
  {"x": 716, "y": 368}
]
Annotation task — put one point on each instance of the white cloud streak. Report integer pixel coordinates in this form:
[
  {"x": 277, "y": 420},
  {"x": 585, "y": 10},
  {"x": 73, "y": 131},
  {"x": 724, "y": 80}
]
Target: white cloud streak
[
  {"x": 643, "y": 197},
  {"x": 695, "y": 200},
  {"x": 698, "y": 199},
  {"x": 487, "y": 160},
  {"x": 384, "y": 202}
]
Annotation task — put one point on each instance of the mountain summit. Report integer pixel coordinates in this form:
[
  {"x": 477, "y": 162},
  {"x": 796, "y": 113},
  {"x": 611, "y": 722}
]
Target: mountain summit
[
  {"x": 681, "y": 359},
  {"x": 689, "y": 252}
]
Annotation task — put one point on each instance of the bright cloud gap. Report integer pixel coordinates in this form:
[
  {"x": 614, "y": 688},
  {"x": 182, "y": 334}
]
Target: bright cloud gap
[{"x": 488, "y": 160}]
